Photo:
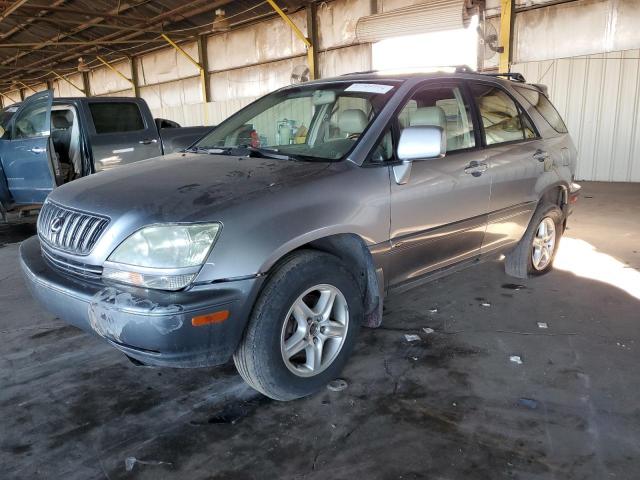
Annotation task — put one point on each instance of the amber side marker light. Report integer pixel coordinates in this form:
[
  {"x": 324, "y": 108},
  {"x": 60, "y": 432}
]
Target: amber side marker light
[{"x": 209, "y": 318}]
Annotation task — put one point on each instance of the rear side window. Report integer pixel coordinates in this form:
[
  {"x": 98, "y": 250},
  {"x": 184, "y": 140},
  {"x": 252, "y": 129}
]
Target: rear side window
[
  {"x": 544, "y": 107},
  {"x": 116, "y": 117},
  {"x": 502, "y": 118}
]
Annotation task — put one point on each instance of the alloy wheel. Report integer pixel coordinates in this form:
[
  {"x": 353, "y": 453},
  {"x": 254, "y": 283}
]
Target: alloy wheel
[
  {"x": 544, "y": 244},
  {"x": 314, "y": 330}
]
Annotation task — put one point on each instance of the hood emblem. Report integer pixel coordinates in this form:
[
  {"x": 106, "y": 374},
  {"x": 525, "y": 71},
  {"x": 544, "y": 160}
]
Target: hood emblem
[{"x": 57, "y": 224}]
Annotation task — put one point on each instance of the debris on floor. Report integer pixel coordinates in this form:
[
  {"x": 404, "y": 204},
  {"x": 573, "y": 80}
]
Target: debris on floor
[
  {"x": 337, "y": 385},
  {"x": 528, "y": 402},
  {"x": 542, "y": 325},
  {"x": 513, "y": 286},
  {"x": 516, "y": 359},
  {"x": 428, "y": 330},
  {"x": 130, "y": 462},
  {"x": 411, "y": 337}
]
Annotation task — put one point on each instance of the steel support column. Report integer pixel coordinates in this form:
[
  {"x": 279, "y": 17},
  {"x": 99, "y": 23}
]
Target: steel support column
[
  {"x": 506, "y": 27},
  {"x": 311, "y": 55}
]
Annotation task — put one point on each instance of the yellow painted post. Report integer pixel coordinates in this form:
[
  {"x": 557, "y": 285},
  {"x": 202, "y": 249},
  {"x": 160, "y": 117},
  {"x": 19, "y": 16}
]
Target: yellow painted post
[
  {"x": 505, "y": 34},
  {"x": 203, "y": 75},
  {"x": 300, "y": 35},
  {"x": 68, "y": 81}
]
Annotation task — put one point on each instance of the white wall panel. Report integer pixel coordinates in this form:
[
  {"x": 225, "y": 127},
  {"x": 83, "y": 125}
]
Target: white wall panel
[
  {"x": 599, "y": 98},
  {"x": 252, "y": 82},
  {"x": 167, "y": 64},
  {"x": 262, "y": 42},
  {"x": 180, "y": 101},
  {"x": 120, "y": 93},
  {"x": 14, "y": 97},
  {"x": 337, "y": 21},
  {"x": 104, "y": 80},
  {"x": 595, "y": 26},
  {"x": 63, "y": 89},
  {"x": 345, "y": 60}
]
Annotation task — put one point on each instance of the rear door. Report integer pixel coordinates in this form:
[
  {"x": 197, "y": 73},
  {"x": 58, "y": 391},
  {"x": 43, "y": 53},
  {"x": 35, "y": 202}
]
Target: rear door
[
  {"x": 25, "y": 151},
  {"x": 120, "y": 132},
  {"x": 438, "y": 212},
  {"x": 516, "y": 156}
]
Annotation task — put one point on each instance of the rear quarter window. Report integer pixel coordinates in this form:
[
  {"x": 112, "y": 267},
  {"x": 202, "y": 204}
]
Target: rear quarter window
[
  {"x": 116, "y": 117},
  {"x": 544, "y": 107}
]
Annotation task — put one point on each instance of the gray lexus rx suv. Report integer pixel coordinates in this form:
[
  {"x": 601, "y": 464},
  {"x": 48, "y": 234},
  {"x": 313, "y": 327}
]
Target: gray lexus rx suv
[{"x": 277, "y": 236}]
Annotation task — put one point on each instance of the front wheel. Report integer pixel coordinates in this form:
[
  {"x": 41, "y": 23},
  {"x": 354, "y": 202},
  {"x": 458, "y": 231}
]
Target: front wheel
[
  {"x": 302, "y": 328},
  {"x": 536, "y": 250}
]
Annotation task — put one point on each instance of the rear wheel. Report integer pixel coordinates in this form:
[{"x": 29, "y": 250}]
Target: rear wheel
[
  {"x": 302, "y": 328},
  {"x": 536, "y": 250}
]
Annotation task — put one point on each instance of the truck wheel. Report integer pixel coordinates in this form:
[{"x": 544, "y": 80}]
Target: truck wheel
[
  {"x": 302, "y": 328},
  {"x": 534, "y": 253}
]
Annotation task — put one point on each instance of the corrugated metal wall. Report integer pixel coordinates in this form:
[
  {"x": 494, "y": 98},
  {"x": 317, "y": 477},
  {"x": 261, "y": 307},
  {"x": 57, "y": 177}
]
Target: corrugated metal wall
[{"x": 599, "y": 98}]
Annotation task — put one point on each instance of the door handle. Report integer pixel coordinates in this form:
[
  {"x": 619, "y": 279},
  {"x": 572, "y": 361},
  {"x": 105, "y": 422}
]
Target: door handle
[
  {"x": 147, "y": 141},
  {"x": 540, "y": 155},
  {"x": 37, "y": 150},
  {"x": 476, "y": 168}
]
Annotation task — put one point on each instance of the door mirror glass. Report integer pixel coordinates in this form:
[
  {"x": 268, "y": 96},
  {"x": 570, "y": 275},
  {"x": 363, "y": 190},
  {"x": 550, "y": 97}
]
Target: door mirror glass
[{"x": 422, "y": 143}]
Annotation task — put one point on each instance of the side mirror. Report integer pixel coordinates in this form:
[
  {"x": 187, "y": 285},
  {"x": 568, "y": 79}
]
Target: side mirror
[{"x": 422, "y": 143}]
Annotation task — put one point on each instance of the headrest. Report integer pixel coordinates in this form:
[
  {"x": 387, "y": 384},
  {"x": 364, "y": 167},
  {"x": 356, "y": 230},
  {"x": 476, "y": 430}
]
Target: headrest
[
  {"x": 60, "y": 120},
  {"x": 352, "y": 121},
  {"x": 428, "y": 117}
]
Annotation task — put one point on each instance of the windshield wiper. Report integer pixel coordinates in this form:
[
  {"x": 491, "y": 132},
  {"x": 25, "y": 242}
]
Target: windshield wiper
[{"x": 243, "y": 151}]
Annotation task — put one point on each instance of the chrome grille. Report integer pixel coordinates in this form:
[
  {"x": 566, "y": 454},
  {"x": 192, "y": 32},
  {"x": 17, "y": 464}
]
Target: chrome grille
[
  {"x": 70, "y": 230},
  {"x": 68, "y": 266}
]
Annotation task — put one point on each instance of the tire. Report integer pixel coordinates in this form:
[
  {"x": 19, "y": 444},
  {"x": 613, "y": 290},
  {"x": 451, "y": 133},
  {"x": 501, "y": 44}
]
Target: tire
[
  {"x": 521, "y": 261},
  {"x": 279, "y": 316}
]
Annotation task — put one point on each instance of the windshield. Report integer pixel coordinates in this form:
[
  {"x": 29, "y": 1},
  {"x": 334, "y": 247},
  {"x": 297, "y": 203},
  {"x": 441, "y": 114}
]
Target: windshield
[{"x": 314, "y": 122}]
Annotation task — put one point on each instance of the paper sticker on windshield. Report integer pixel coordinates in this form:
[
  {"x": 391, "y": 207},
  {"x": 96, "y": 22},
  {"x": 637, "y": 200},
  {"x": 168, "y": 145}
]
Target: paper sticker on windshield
[
  {"x": 369, "y": 88},
  {"x": 12, "y": 109}
]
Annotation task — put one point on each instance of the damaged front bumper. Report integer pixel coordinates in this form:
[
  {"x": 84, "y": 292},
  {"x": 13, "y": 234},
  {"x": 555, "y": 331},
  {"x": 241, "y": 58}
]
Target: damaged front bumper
[{"x": 153, "y": 327}]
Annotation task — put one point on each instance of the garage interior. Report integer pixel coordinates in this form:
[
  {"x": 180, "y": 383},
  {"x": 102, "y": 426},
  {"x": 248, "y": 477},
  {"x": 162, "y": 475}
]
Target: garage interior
[{"x": 527, "y": 379}]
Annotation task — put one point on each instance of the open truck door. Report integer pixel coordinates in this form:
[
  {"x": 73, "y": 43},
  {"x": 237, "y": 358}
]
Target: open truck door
[{"x": 28, "y": 159}]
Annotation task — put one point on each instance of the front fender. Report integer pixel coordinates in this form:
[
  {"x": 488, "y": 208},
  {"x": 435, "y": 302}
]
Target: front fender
[{"x": 257, "y": 232}]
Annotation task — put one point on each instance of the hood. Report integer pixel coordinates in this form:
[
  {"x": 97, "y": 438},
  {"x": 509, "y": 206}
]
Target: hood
[{"x": 181, "y": 186}]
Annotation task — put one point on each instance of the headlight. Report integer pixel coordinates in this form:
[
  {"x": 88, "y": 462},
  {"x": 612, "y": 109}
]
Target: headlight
[{"x": 165, "y": 257}]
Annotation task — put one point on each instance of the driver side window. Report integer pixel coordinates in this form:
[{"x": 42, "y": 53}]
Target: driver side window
[{"x": 31, "y": 122}]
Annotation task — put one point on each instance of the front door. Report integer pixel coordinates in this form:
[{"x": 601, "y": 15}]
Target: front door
[
  {"x": 438, "y": 206},
  {"x": 25, "y": 151}
]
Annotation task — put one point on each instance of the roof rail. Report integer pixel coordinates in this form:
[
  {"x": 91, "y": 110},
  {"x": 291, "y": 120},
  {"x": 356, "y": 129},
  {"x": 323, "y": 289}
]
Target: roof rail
[{"x": 515, "y": 76}]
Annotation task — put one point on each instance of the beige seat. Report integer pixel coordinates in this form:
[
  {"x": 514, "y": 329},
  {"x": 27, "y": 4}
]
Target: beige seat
[
  {"x": 428, "y": 117},
  {"x": 352, "y": 122}
]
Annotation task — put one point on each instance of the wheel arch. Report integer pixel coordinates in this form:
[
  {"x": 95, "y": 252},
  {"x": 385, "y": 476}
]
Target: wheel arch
[
  {"x": 354, "y": 252},
  {"x": 557, "y": 194}
]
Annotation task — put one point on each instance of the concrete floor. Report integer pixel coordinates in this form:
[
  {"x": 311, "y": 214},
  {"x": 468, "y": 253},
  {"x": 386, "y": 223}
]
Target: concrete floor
[{"x": 449, "y": 406}]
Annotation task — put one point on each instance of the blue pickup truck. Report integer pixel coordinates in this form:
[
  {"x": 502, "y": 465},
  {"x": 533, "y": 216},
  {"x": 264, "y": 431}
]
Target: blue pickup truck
[{"x": 46, "y": 142}]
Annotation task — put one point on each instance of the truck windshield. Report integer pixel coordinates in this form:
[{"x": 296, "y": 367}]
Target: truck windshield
[{"x": 313, "y": 122}]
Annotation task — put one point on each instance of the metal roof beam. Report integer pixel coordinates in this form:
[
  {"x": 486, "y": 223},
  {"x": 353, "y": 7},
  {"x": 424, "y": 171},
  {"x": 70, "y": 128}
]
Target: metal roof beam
[
  {"x": 186, "y": 10},
  {"x": 11, "y": 8}
]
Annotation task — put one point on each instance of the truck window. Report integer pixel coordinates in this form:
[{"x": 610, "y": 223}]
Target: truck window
[{"x": 116, "y": 117}]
